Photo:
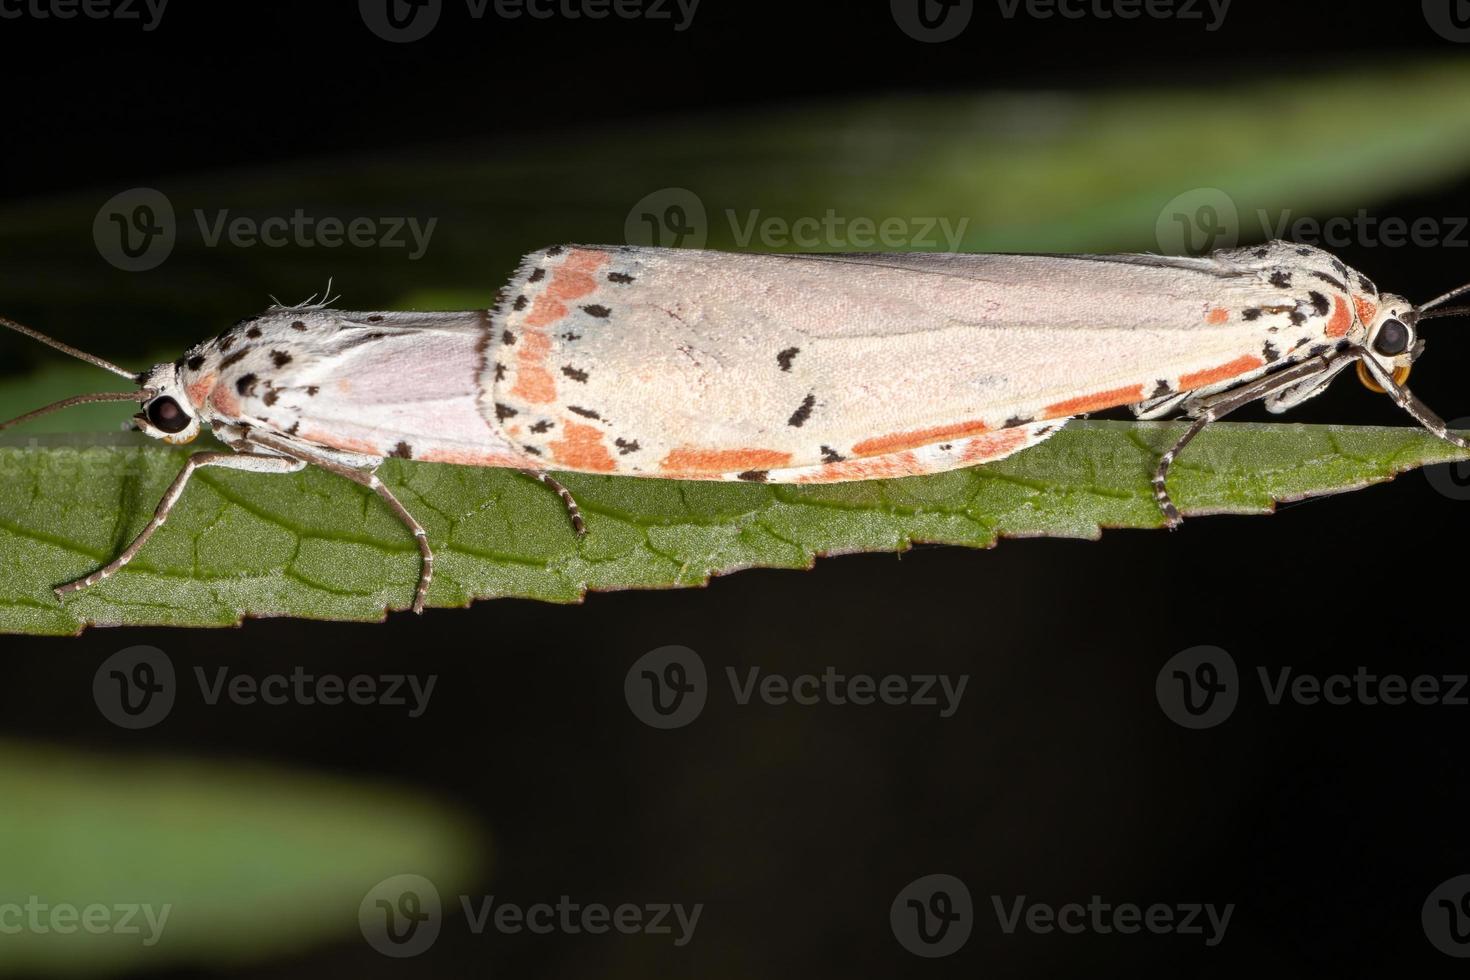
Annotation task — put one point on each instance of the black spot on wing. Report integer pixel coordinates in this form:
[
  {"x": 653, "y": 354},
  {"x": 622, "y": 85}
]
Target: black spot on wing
[
  {"x": 503, "y": 412},
  {"x": 1269, "y": 353},
  {"x": 586, "y": 413},
  {"x": 253, "y": 333},
  {"x": 246, "y": 384},
  {"x": 298, "y": 325},
  {"x": 234, "y": 358},
  {"x": 803, "y": 412},
  {"x": 1162, "y": 389},
  {"x": 1320, "y": 306},
  {"x": 536, "y": 275},
  {"x": 619, "y": 277},
  {"x": 574, "y": 374},
  {"x": 280, "y": 358},
  {"x": 1281, "y": 279},
  {"x": 520, "y": 303},
  {"x": 753, "y": 476},
  {"x": 597, "y": 310},
  {"x": 626, "y": 446},
  {"x": 1253, "y": 313},
  {"x": 196, "y": 362},
  {"x": 1368, "y": 284},
  {"x": 830, "y": 455},
  {"x": 785, "y": 357},
  {"x": 401, "y": 451},
  {"x": 1334, "y": 283},
  {"x": 508, "y": 339},
  {"x": 1016, "y": 420},
  {"x": 555, "y": 250},
  {"x": 543, "y": 425}
]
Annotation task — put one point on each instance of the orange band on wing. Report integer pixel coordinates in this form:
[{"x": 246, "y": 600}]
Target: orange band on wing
[
  {"x": 1200, "y": 379},
  {"x": 582, "y": 448},
  {"x": 1341, "y": 318},
  {"x": 722, "y": 460},
  {"x": 1367, "y": 310},
  {"x": 1217, "y": 316},
  {"x": 899, "y": 441},
  {"x": 1094, "y": 403}
]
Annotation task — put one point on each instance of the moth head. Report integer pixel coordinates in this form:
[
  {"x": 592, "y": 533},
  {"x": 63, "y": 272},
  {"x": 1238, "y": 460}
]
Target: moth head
[
  {"x": 1392, "y": 341},
  {"x": 167, "y": 412}
]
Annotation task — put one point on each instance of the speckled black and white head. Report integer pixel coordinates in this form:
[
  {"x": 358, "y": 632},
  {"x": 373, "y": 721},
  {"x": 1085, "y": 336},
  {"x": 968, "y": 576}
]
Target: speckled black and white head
[{"x": 1391, "y": 341}]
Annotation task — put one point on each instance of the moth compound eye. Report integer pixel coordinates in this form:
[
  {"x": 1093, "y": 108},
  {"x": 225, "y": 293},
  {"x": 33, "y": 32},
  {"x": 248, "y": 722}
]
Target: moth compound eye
[
  {"x": 165, "y": 415},
  {"x": 1393, "y": 338}
]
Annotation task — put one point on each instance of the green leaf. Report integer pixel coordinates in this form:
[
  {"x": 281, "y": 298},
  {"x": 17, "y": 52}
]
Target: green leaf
[
  {"x": 250, "y": 863},
  {"x": 314, "y": 545}
]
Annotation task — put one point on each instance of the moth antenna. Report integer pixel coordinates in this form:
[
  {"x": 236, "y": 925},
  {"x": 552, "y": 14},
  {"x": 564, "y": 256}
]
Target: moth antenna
[
  {"x": 102, "y": 396},
  {"x": 92, "y": 359},
  {"x": 1452, "y": 294},
  {"x": 1419, "y": 315}
]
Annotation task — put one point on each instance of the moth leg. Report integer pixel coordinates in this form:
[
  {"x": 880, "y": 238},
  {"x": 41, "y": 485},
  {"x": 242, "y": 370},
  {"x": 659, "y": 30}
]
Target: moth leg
[
  {"x": 573, "y": 511},
  {"x": 366, "y": 475},
  {"x": 1214, "y": 407},
  {"x": 250, "y": 462},
  {"x": 369, "y": 479}
]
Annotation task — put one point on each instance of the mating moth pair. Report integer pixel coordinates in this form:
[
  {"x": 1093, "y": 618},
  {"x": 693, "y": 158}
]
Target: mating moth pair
[{"x": 699, "y": 365}]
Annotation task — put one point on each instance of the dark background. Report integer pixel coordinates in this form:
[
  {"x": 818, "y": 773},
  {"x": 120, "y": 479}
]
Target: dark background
[{"x": 1059, "y": 778}]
